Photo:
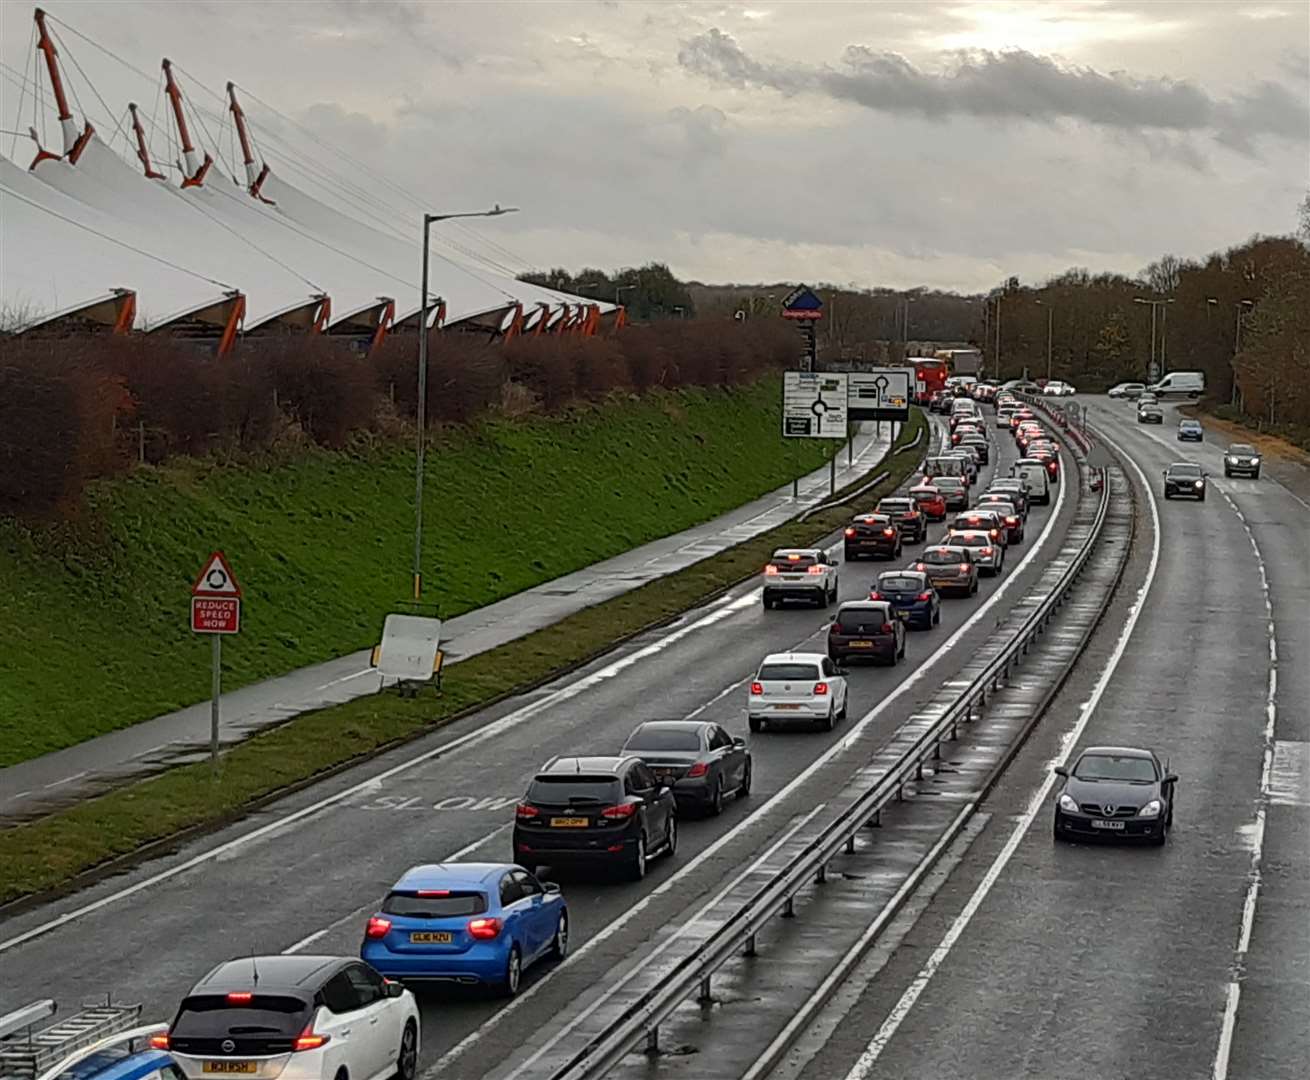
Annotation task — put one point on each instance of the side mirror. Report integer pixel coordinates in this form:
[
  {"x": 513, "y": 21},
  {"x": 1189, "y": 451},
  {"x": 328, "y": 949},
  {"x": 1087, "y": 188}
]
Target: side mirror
[
  {"x": 1060, "y": 770},
  {"x": 393, "y": 988},
  {"x": 664, "y": 790},
  {"x": 1164, "y": 472},
  {"x": 550, "y": 888},
  {"x": 1172, "y": 778},
  {"x": 739, "y": 742},
  {"x": 1203, "y": 473}
]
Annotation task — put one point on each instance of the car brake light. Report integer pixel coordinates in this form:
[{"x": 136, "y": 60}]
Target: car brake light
[
  {"x": 964, "y": 566},
  {"x": 886, "y": 628},
  {"x": 433, "y": 892},
  {"x": 875, "y": 595},
  {"x": 820, "y": 688},
  {"x": 985, "y": 551},
  {"x": 377, "y": 927},
  {"x": 159, "y": 1042},
  {"x": 1012, "y": 521},
  {"x": 793, "y": 558},
  {"x": 240, "y": 997},
  {"x": 698, "y": 769},
  {"x": 994, "y": 534},
  {"x": 889, "y": 532},
  {"x": 925, "y": 596},
  {"x": 484, "y": 929},
  {"x": 309, "y": 1041},
  {"x": 1052, "y": 466},
  {"x": 850, "y": 532},
  {"x": 620, "y": 812},
  {"x": 526, "y": 812},
  {"x": 757, "y": 689},
  {"x": 816, "y": 569},
  {"x": 920, "y": 566},
  {"x": 912, "y": 514},
  {"x": 770, "y": 569}
]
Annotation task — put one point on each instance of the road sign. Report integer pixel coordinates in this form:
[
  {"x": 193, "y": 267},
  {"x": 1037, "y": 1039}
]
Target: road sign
[
  {"x": 216, "y": 614},
  {"x": 880, "y": 394},
  {"x": 802, "y": 303},
  {"x": 216, "y": 578},
  {"x": 814, "y": 404}
]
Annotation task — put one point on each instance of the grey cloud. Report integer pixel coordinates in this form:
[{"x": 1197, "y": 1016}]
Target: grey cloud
[{"x": 1012, "y": 84}]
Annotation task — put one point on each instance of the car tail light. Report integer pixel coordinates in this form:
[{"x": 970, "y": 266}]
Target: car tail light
[
  {"x": 850, "y": 532},
  {"x": 757, "y": 689},
  {"x": 995, "y": 534},
  {"x": 820, "y": 688},
  {"x": 964, "y": 566},
  {"x": 1012, "y": 521},
  {"x": 1052, "y": 466},
  {"x": 770, "y": 569},
  {"x": 912, "y": 514},
  {"x": 485, "y": 929},
  {"x": 815, "y": 569},
  {"x": 240, "y": 997},
  {"x": 621, "y": 812},
  {"x": 526, "y": 811},
  {"x": 159, "y": 1042},
  {"x": 925, "y": 596},
  {"x": 875, "y": 595},
  {"x": 984, "y": 551},
  {"x": 309, "y": 1041},
  {"x": 889, "y": 532},
  {"x": 377, "y": 927},
  {"x": 886, "y": 628},
  {"x": 698, "y": 769},
  {"x": 921, "y": 566}
]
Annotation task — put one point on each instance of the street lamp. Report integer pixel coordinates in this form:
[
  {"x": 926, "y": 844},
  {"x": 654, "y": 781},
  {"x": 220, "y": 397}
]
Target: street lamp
[
  {"x": 1050, "y": 317},
  {"x": 1154, "y": 372},
  {"x": 422, "y": 409},
  {"x": 906, "y": 335},
  {"x": 618, "y": 289}
]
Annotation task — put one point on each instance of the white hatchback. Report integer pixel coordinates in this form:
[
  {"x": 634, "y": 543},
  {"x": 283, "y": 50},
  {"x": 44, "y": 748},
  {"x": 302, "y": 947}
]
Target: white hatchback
[
  {"x": 295, "y": 1017},
  {"x": 797, "y": 686},
  {"x": 800, "y": 574}
]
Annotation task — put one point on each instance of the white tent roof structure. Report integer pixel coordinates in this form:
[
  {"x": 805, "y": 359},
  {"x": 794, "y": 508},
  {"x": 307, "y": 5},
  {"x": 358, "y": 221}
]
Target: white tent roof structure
[{"x": 74, "y": 229}]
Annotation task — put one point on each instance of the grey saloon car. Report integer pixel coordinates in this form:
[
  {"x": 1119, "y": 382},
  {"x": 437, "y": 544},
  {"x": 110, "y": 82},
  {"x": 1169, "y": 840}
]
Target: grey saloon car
[{"x": 698, "y": 759}]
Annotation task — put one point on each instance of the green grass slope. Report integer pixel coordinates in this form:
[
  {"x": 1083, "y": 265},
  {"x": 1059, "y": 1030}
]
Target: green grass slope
[{"x": 94, "y": 620}]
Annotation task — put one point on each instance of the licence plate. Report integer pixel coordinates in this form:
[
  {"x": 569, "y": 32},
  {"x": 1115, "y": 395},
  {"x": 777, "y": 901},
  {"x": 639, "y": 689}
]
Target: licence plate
[
  {"x": 786, "y": 706},
  {"x": 569, "y": 822},
  {"x": 431, "y": 937},
  {"x": 1107, "y": 825},
  {"x": 231, "y": 1066},
  {"x": 861, "y": 644}
]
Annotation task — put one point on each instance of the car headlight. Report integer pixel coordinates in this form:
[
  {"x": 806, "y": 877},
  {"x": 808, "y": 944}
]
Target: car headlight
[
  {"x": 1200, "y": 484},
  {"x": 1067, "y": 803},
  {"x": 1151, "y": 809},
  {"x": 1232, "y": 461}
]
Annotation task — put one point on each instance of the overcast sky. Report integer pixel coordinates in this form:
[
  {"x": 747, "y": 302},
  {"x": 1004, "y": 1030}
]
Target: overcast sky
[{"x": 899, "y": 144}]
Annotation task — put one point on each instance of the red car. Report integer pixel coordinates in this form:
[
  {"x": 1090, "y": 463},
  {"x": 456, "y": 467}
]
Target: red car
[{"x": 930, "y": 500}]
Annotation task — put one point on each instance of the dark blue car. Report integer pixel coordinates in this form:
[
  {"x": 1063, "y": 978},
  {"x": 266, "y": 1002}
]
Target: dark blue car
[
  {"x": 467, "y": 923},
  {"x": 1190, "y": 431},
  {"x": 911, "y": 595}
]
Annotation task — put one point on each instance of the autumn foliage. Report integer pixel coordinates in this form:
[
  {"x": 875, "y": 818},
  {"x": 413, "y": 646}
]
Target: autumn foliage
[{"x": 75, "y": 408}]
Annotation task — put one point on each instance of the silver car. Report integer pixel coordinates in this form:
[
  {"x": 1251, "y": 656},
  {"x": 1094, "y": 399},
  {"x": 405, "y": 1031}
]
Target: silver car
[{"x": 987, "y": 553}]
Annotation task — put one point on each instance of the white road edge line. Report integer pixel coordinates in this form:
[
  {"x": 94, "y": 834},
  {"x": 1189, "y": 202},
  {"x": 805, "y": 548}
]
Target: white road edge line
[
  {"x": 836, "y": 748},
  {"x": 865, "y": 1063},
  {"x": 1224, "y": 1050}
]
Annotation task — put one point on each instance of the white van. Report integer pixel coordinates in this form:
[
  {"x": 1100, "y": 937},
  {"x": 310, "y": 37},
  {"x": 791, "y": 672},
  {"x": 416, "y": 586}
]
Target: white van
[
  {"x": 1035, "y": 482},
  {"x": 1180, "y": 383}
]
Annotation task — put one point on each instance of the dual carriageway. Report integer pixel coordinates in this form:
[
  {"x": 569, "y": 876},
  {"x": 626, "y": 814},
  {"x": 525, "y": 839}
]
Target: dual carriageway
[{"x": 1014, "y": 957}]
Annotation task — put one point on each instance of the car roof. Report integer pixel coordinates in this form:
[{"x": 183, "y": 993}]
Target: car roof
[
  {"x": 790, "y": 657},
  {"x": 899, "y": 573},
  {"x": 673, "y": 725},
  {"x": 976, "y": 510},
  {"x": 283, "y": 973},
  {"x": 862, "y": 605},
  {"x": 1184, "y": 465},
  {"x": 782, "y": 553},
  {"x": 943, "y": 547},
  {"x": 443, "y": 875},
  {"x": 557, "y": 765},
  {"x": 870, "y": 514}
]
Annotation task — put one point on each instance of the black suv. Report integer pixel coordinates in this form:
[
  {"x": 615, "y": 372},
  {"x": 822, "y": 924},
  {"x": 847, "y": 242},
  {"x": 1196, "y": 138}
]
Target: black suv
[
  {"x": 1242, "y": 460},
  {"x": 908, "y": 517},
  {"x": 595, "y": 809},
  {"x": 872, "y": 534},
  {"x": 1185, "y": 479}
]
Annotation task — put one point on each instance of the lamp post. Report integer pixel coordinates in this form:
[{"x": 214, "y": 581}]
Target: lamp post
[
  {"x": 905, "y": 336},
  {"x": 422, "y": 406},
  {"x": 1154, "y": 373},
  {"x": 619, "y": 290}
]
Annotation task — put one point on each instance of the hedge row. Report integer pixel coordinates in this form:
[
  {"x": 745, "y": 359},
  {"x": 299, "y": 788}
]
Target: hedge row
[{"x": 76, "y": 408}]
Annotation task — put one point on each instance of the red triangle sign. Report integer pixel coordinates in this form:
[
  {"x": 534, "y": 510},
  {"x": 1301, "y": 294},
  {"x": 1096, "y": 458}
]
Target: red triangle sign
[{"x": 216, "y": 579}]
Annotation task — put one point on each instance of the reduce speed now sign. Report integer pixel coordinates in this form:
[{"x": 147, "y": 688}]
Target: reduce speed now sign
[{"x": 216, "y": 598}]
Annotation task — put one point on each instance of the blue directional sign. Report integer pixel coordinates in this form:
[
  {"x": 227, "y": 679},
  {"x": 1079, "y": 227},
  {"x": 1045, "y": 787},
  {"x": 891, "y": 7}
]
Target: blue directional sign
[{"x": 802, "y": 303}]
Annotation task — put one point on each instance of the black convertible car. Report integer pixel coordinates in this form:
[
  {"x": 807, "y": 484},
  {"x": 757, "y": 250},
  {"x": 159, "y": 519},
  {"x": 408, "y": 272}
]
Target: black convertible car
[{"x": 1113, "y": 792}]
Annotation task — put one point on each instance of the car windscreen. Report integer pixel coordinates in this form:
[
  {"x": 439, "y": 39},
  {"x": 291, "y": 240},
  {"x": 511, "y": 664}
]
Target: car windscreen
[
  {"x": 1187, "y": 472},
  {"x": 563, "y": 788},
  {"x": 1242, "y": 450},
  {"x": 208, "y": 1016},
  {"x": 1114, "y": 767},
  {"x": 900, "y": 583},
  {"x": 651, "y": 738},
  {"x": 940, "y": 557},
  {"x": 789, "y": 672},
  {"x": 435, "y": 903}
]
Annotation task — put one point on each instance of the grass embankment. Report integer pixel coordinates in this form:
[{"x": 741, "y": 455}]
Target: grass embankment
[
  {"x": 1291, "y": 445},
  {"x": 95, "y": 616},
  {"x": 48, "y": 853}
]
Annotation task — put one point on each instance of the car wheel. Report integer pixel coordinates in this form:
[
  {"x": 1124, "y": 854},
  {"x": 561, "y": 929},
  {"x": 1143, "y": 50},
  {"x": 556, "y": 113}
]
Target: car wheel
[
  {"x": 756, "y": 724},
  {"x": 973, "y": 587},
  {"x": 937, "y": 617},
  {"x": 1203, "y": 496},
  {"x": 671, "y": 837},
  {"x": 1167, "y": 495},
  {"x": 768, "y": 603},
  {"x": 745, "y": 788},
  {"x": 1159, "y": 841},
  {"x": 830, "y": 721},
  {"x": 715, "y": 805},
  {"x": 559, "y": 944},
  {"x": 1255, "y": 475},
  {"x": 637, "y": 860},
  {"x": 823, "y": 597},
  {"x": 407, "y": 1060},
  {"x": 1055, "y": 832},
  {"x": 509, "y": 986},
  {"x": 846, "y": 701},
  {"x": 900, "y": 656}
]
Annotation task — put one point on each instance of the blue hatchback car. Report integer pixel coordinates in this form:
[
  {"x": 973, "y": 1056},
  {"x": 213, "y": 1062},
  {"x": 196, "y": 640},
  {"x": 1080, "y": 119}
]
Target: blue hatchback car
[
  {"x": 911, "y": 596},
  {"x": 467, "y": 923},
  {"x": 1190, "y": 431}
]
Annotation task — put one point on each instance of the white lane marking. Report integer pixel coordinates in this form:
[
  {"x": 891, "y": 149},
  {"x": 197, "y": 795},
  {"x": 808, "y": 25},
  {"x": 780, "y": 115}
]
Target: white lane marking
[
  {"x": 473, "y": 738},
  {"x": 836, "y": 748},
  {"x": 1234, "y": 997},
  {"x": 719, "y": 696},
  {"x": 20, "y": 794},
  {"x": 609, "y": 931},
  {"x": 66, "y": 779},
  {"x": 865, "y": 1063}
]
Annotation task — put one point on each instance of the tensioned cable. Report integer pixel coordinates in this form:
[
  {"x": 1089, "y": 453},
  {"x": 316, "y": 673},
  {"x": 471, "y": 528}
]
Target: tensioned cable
[
  {"x": 199, "y": 206},
  {"x": 113, "y": 240},
  {"x": 69, "y": 54},
  {"x": 22, "y": 92}
]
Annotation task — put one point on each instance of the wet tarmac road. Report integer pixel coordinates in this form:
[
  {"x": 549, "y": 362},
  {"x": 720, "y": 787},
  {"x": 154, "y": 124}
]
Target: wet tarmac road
[
  {"x": 305, "y": 873},
  {"x": 1037, "y": 959}
]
